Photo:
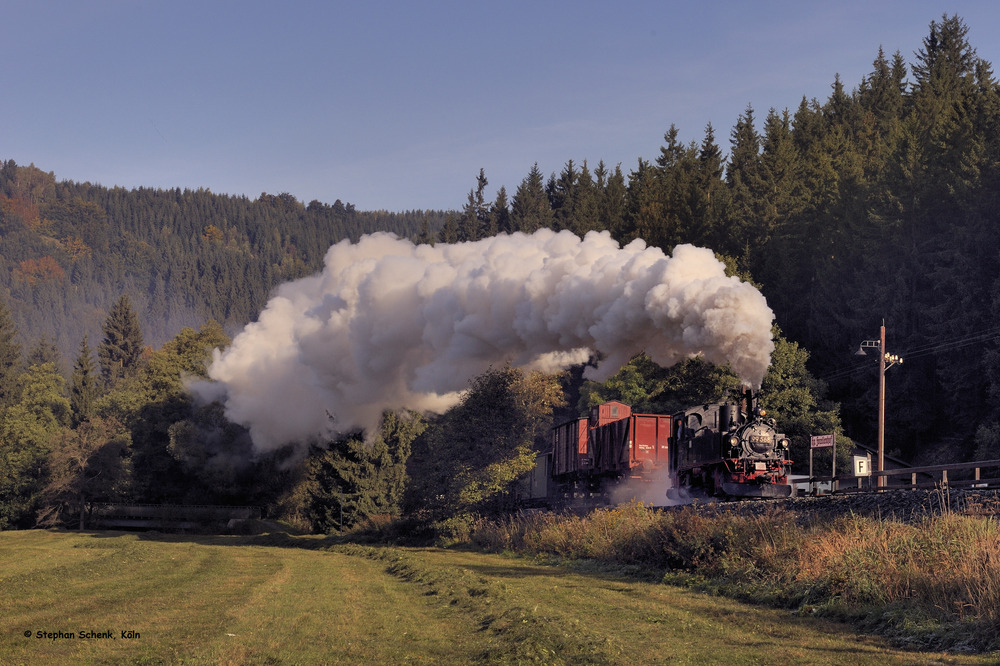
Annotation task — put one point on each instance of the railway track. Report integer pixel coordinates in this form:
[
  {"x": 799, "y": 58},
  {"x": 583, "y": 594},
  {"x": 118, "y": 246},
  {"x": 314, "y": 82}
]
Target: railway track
[{"x": 901, "y": 505}]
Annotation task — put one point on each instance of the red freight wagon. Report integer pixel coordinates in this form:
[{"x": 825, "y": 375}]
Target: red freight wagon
[
  {"x": 651, "y": 435},
  {"x": 636, "y": 443}
]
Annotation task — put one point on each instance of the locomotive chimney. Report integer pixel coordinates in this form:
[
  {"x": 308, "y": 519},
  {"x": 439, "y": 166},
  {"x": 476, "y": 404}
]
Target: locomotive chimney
[{"x": 725, "y": 417}]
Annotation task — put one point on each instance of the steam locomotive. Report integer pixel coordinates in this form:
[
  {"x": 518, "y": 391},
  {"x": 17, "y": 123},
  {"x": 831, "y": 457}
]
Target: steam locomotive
[{"x": 613, "y": 454}]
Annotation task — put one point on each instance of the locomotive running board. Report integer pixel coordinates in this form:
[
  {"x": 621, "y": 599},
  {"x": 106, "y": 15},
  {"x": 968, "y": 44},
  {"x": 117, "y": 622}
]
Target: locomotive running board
[{"x": 746, "y": 490}]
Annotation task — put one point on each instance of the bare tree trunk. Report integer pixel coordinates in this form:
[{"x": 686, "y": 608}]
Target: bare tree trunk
[{"x": 83, "y": 505}]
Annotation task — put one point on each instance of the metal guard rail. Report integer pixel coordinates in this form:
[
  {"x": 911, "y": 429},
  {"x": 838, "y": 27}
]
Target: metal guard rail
[{"x": 938, "y": 478}]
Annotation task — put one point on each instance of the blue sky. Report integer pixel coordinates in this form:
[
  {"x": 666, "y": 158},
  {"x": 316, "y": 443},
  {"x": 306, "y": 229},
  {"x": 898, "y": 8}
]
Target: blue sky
[{"x": 397, "y": 105}]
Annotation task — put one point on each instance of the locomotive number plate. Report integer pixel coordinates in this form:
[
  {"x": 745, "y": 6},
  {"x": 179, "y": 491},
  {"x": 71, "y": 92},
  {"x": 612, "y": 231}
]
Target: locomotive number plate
[{"x": 760, "y": 439}]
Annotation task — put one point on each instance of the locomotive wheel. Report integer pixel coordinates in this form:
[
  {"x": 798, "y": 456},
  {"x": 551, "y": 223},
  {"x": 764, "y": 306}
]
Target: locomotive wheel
[{"x": 716, "y": 483}]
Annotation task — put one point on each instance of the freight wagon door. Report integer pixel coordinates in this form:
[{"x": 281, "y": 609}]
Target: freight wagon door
[{"x": 651, "y": 439}]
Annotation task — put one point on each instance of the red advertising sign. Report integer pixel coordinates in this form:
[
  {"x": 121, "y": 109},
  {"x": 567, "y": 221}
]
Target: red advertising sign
[{"x": 821, "y": 441}]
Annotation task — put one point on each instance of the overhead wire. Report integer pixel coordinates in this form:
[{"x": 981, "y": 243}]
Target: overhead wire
[
  {"x": 922, "y": 351},
  {"x": 955, "y": 343}
]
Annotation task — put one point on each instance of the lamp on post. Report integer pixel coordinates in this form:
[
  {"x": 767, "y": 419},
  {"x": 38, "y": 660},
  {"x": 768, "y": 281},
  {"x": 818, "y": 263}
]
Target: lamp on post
[{"x": 885, "y": 361}]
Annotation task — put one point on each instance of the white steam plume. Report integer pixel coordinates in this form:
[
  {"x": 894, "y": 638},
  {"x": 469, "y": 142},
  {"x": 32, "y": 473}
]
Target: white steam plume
[{"x": 388, "y": 324}]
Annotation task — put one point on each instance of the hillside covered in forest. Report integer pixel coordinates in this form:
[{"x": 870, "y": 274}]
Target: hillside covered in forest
[
  {"x": 876, "y": 205},
  {"x": 69, "y": 250}
]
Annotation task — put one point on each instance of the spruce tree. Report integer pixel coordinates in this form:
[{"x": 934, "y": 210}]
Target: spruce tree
[
  {"x": 881, "y": 93},
  {"x": 449, "y": 231},
  {"x": 952, "y": 222},
  {"x": 644, "y": 207},
  {"x": 121, "y": 349},
  {"x": 613, "y": 199},
  {"x": 83, "y": 386},
  {"x": 780, "y": 172},
  {"x": 530, "y": 208},
  {"x": 562, "y": 194},
  {"x": 670, "y": 214},
  {"x": 499, "y": 221},
  {"x": 946, "y": 58},
  {"x": 744, "y": 178},
  {"x": 351, "y": 480},
  {"x": 586, "y": 208},
  {"x": 425, "y": 237},
  {"x": 475, "y": 214},
  {"x": 710, "y": 191}
]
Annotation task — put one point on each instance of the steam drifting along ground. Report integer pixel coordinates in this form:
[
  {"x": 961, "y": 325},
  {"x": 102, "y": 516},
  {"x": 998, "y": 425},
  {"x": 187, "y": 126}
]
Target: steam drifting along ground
[{"x": 389, "y": 324}]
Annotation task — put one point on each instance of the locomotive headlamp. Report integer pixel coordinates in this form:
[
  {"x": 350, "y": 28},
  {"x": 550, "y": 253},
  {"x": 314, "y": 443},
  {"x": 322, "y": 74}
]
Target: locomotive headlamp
[
  {"x": 763, "y": 412},
  {"x": 784, "y": 442},
  {"x": 734, "y": 440}
]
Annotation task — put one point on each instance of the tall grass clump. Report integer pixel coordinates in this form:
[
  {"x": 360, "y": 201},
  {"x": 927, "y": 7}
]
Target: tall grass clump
[
  {"x": 935, "y": 583},
  {"x": 634, "y": 534}
]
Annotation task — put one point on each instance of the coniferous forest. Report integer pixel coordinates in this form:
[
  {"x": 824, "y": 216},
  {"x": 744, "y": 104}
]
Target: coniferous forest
[{"x": 876, "y": 204}]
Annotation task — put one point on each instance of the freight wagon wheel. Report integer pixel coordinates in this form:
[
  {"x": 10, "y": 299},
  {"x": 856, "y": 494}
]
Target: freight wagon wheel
[{"x": 706, "y": 483}]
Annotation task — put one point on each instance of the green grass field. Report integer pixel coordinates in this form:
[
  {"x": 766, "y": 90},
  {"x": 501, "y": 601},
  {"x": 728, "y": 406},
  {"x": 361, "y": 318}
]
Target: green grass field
[{"x": 278, "y": 599}]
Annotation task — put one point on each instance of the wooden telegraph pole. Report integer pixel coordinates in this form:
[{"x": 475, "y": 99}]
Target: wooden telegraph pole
[{"x": 885, "y": 361}]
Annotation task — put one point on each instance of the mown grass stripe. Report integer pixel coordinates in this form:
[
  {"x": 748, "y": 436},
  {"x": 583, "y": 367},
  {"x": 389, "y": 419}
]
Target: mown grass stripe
[{"x": 228, "y": 601}]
